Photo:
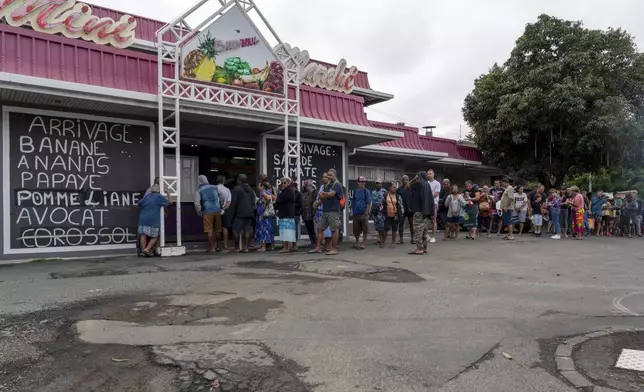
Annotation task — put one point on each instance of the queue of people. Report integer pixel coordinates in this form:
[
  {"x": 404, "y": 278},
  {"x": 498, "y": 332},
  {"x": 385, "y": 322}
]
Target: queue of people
[
  {"x": 563, "y": 213},
  {"x": 256, "y": 218},
  {"x": 253, "y": 218}
]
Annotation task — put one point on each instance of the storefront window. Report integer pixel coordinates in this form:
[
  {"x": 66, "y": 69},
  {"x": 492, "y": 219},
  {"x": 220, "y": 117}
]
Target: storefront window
[
  {"x": 189, "y": 173},
  {"x": 372, "y": 173}
]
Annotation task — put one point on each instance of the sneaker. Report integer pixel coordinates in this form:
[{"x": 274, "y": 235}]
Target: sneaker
[
  {"x": 432, "y": 240},
  {"x": 556, "y": 237}
]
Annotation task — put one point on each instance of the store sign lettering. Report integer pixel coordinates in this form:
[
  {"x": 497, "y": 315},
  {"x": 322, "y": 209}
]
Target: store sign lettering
[
  {"x": 336, "y": 79},
  {"x": 222, "y": 46},
  {"x": 317, "y": 75},
  {"x": 69, "y": 18}
]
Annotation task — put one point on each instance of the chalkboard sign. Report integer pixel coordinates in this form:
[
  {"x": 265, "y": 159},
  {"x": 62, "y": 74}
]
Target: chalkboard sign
[
  {"x": 74, "y": 179},
  {"x": 315, "y": 159}
]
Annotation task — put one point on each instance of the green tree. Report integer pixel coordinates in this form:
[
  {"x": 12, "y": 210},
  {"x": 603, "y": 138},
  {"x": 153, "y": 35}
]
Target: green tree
[{"x": 569, "y": 100}]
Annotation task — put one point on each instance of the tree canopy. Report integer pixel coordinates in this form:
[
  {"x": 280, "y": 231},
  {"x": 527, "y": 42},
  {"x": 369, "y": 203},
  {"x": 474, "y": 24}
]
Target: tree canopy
[{"x": 569, "y": 100}]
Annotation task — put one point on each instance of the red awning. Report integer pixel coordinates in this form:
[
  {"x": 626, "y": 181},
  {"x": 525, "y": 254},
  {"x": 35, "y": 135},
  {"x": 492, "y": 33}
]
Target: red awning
[{"x": 328, "y": 105}]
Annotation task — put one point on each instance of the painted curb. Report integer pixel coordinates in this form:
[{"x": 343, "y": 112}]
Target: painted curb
[{"x": 566, "y": 365}]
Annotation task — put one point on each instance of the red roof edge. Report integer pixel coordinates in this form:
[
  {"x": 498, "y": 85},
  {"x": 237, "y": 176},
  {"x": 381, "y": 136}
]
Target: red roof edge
[{"x": 412, "y": 140}]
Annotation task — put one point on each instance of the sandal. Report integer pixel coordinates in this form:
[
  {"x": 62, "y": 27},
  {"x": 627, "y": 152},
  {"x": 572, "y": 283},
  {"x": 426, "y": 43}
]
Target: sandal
[
  {"x": 416, "y": 252},
  {"x": 314, "y": 251}
]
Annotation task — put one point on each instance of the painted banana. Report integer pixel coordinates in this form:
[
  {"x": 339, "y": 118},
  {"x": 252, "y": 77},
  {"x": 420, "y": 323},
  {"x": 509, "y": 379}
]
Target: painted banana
[{"x": 261, "y": 76}]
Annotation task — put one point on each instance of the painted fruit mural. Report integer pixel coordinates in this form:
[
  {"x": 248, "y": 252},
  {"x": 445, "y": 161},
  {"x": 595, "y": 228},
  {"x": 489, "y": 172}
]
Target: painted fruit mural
[{"x": 200, "y": 64}]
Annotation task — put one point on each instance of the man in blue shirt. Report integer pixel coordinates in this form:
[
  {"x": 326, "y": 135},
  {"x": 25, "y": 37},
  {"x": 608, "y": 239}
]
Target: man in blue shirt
[
  {"x": 597, "y": 201},
  {"x": 361, "y": 209},
  {"x": 207, "y": 205},
  {"x": 331, "y": 195}
]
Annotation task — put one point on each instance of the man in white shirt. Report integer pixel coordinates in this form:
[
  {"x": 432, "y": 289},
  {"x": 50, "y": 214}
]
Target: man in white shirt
[
  {"x": 436, "y": 190},
  {"x": 225, "y": 198}
]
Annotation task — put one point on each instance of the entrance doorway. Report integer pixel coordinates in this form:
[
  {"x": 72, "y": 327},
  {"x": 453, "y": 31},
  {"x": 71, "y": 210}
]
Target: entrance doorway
[{"x": 212, "y": 159}]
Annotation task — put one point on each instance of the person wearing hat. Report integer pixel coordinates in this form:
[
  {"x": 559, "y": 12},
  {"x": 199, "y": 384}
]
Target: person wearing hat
[
  {"x": 377, "y": 198},
  {"x": 361, "y": 209}
]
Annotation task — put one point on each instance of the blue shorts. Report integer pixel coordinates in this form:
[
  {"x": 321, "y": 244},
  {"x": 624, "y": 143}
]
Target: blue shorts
[
  {"x": 455, "y": 219},
  {"x": 507, "y": 218}
]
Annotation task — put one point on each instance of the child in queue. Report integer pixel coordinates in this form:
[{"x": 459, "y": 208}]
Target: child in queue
[{"x": 537, "y": 217}]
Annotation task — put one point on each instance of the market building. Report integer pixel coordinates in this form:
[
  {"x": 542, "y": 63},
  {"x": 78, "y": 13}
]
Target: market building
[{"x": 96, "y": 103}]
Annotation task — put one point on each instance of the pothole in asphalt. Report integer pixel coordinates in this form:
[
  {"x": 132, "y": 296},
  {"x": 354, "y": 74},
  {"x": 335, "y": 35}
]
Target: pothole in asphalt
[
  {"x": 41, "y": 351},
  {"x": 596, "y": 358},
  {"x": 217, "y": 308},
  {"x": 341, "y": 268},
  {"x": 232, "y": 366}
]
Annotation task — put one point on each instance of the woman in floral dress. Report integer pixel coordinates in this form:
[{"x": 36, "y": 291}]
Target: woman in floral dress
[{"x": 264, "y": 234}]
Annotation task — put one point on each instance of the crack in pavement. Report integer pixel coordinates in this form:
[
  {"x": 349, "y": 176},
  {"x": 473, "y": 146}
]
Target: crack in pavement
[{"x": 475, "y": 365}]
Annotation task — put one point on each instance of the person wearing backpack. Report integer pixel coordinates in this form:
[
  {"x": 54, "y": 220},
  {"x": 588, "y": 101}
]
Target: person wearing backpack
[
  {"x": 329, "y": 197},
  {"x": 208, "y": 206},
  {"x": 360, "y": 210}
]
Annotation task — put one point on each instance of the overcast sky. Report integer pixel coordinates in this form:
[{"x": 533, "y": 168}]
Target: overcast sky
[{"x": 425, "y": 52}]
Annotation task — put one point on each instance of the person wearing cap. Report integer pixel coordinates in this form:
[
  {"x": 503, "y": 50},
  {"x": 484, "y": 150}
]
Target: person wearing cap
[
  {"x": 208, "y": 206},
  {"x": 286, "y": 213},
  {"x": 377, "y": 198},
  {"x": 329, "y": 198},
  {"x": 404, "y": 191},
  {"x": 361, "y": 209}
]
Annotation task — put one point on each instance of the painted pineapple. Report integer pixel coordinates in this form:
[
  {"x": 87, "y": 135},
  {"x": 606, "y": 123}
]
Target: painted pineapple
[
  {"x": 191, "y": 62},
  {"x": 204, "y": 58}
]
